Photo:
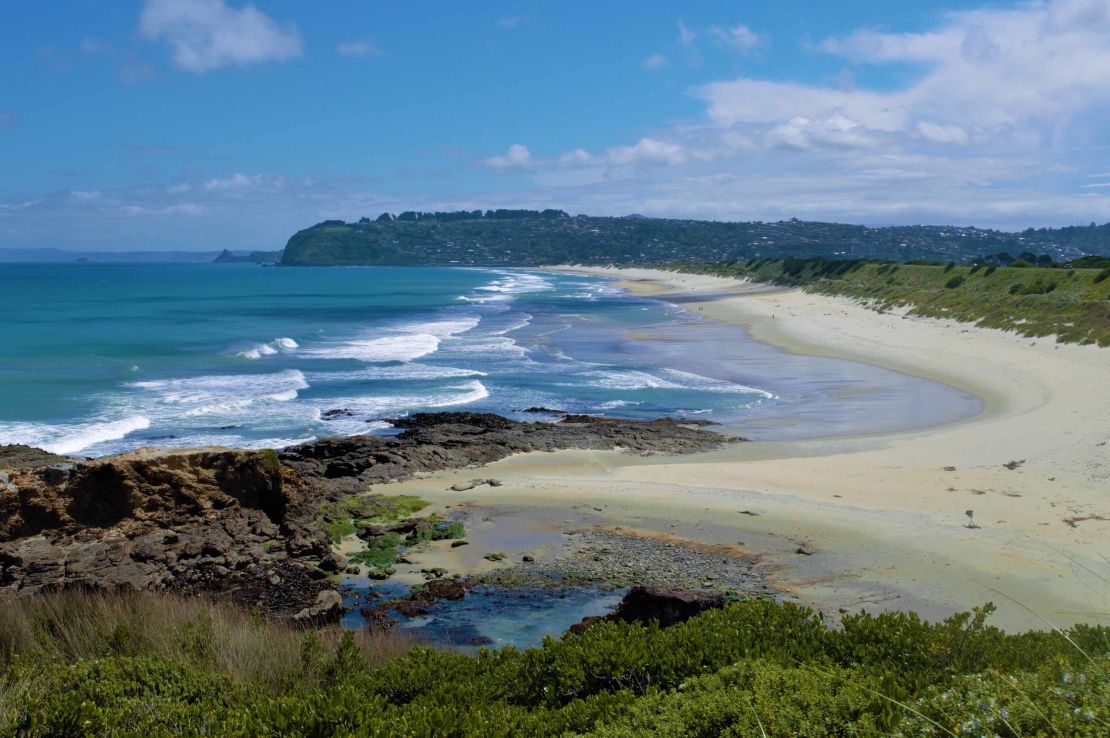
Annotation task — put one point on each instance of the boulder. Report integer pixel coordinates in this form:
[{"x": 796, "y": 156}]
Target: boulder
[{"x": 328, "y": 608}]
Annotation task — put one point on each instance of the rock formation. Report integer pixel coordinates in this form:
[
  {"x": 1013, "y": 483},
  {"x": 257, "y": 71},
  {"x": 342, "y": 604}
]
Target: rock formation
[{"x": 245, "y": 523}]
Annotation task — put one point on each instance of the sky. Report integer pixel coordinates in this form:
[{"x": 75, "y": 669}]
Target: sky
[{"x": 205, "y": 124}]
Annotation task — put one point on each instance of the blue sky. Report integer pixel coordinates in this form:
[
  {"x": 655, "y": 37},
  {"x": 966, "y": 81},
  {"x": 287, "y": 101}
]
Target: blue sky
[{"x": 204, "y": 124}]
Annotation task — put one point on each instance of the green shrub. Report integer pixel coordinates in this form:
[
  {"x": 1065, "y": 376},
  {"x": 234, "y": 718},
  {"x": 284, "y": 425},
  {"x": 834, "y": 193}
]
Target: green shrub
[
  {"x": 752, "y": 668},
  {"x": 954, "y": 282}
]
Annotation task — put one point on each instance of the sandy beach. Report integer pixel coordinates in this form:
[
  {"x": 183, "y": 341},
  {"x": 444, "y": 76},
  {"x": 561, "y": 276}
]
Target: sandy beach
[{"x": 875, "y": 522}]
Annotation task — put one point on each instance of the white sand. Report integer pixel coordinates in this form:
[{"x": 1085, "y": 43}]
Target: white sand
[{"x": 884, "y": 519}]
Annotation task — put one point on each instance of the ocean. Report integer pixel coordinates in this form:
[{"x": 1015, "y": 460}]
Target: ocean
[{"x": 99, "y": 359}]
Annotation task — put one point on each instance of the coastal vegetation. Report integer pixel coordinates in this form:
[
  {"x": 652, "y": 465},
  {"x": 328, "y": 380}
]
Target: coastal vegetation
[
  {"x": 530, "y": 238},
  {"x": 75, "y": 664},
  {"x": 1072, "y": 303}
]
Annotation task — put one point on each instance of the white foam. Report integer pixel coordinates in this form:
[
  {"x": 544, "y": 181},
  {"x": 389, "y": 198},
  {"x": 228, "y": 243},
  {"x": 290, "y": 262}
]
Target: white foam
[
  {"x": 402, "y": 343},
  {"x": 444, "y": 328},
  {"x": 707, "y": 384},
  {"x": 523, "y": 322},
  {"x": 269, "y": 349},
  {"x": 629, "y": 380},
  {"x": 274, "y": 442},
  {"x": 471, "y": 392},
  {"x": 71, "y": 438},
  {"x": 400, "y": 372},
  {"x": 508, "y": 286},
  {"x": 614, "y": 404},
  {"x": 671, "y": 379},
  {"x": 224, "y": 393},
  {"x": 257, "y": 352},
  {"x": 405, "y": 347},
  {"x": 370, "y": 407}
]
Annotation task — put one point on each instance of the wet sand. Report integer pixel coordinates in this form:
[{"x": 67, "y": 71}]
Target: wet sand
[{"x": 878, "y": 521}]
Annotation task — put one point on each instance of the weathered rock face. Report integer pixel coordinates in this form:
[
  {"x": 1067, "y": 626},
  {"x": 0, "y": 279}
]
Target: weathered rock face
[
  {"x": 246, "y": 523},
  {"x": 147, "y": 520}
]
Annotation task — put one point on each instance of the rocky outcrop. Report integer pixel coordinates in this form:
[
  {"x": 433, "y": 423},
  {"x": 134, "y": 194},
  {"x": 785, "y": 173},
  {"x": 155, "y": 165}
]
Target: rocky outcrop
[
  {"x": 246, "y": 523},
  {"x": 201, "y": 520},
  {"x": 664, "y": 605},
  {"x": 431, "y": 442}
]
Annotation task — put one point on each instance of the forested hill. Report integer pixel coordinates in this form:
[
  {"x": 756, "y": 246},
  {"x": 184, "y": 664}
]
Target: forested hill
[{"x": 529, "y": 237}]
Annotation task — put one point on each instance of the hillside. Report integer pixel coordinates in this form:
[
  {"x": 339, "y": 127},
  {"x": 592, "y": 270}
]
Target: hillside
[
  {"x": 1071, "y": 303},
  {"x": 529, "y": 238}
]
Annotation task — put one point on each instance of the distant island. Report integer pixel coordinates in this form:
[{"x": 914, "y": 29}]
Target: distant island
[
  {"x": 534, "y": 237},
  {"x": 228, "y": 256}
]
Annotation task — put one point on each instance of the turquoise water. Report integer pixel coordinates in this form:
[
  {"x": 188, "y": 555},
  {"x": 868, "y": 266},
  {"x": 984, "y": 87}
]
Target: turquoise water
[{"x": 98, "y": 359}]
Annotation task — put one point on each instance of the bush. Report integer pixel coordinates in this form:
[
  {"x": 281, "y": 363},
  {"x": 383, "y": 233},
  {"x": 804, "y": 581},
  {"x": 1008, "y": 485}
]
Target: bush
[
  {"x": 1101, "y": 275},
  {"x": 954, "y": 282},
  {"x": 754, "y": 667}
]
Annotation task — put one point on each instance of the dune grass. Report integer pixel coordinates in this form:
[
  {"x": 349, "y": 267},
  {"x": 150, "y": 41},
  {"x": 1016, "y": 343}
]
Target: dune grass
[
  {"x": 222, "y": 638},
  {"x": 1071, "y": 304}
]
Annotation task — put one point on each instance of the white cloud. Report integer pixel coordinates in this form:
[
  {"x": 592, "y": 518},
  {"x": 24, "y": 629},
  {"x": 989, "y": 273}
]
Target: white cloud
[
  {"x": 834, "y": 130},
  {"x": 185, "y": 208},
  {"x": 644, "y": 153},
  {"x": 577, "y": 158},
  {"x": 686, "y": 35},
  {"x": 647, "y": 151},
  {"x": 10, "y": 119},
  {"x": 517, "y": 157},
  {"x": 655, "y": 61},
  {"x": 209, "y": 34},
  {"x": 942, "y": 133},
  {"x": 741, "y": 38},
  {"x": 20, "y": 205},
  {"x": 993, "y": 118},
  {"x": 239, "y": 183},
  {"x": 358, "y": 48},
  {"x": 85, "y": 195},
  {"x": 508, "y": 22}
]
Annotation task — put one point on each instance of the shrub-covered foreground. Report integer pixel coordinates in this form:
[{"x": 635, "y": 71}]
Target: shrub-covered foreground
[{"x": 72, "y": 667}]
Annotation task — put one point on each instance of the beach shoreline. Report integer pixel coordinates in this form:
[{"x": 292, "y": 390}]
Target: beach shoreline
[{"x": 878, "y": 521}]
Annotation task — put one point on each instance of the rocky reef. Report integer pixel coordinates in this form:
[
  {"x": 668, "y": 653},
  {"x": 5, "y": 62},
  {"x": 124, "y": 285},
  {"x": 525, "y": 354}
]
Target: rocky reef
[{"x": 245, "y": 524}]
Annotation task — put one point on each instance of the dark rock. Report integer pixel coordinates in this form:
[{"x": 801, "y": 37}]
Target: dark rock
[
  {"x": 332, "y": 561},
  {"x": 445, "y": 589},
  {"x": 464, "y": 486},
  {"x": 56, "y": 473},
  {"x": 667, "y": 606}
]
